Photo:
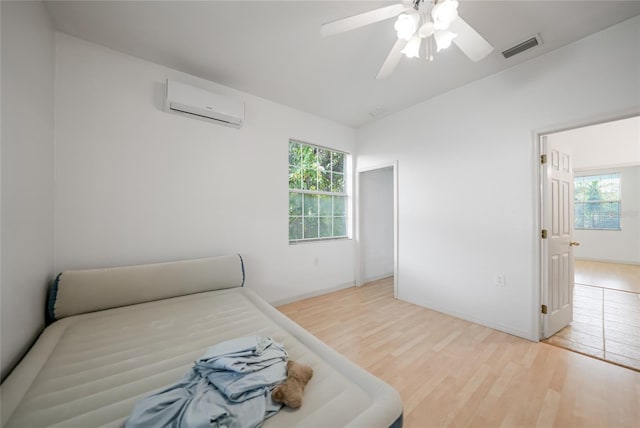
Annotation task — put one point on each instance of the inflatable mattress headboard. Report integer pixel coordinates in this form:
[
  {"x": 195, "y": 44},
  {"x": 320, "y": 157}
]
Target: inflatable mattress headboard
[{"x": 80, "y": 291}]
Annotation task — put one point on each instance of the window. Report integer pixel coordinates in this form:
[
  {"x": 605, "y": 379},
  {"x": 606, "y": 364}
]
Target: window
[
  {"x": 317, "y": 193},
  {"x": 597, "y": 202}
]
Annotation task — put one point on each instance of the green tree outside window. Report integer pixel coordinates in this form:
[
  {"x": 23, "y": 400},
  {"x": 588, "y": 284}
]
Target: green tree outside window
[{"x": 597, "y": 202}]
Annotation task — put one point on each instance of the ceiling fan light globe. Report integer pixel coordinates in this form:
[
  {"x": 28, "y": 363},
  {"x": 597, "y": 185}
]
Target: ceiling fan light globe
[
  {"x": 444, "y": 39},
  {"x": 440, "y": 25},
  {"x": 427, "y": 29},
  {"x": 445, "y": 11},
  {"x": 406, "y": 25},
  {"x": 412, "y": 50}
]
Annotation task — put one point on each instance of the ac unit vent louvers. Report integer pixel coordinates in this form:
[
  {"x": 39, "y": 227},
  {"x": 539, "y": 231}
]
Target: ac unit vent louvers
[
  {"x": 201, "y": 104},
  {"x": 521, "y": 47}
]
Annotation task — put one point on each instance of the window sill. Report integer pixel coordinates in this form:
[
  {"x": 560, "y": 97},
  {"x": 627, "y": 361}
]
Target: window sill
[
  {"x": 609, "y": 230},
  {"x": 316, "y": 240}
]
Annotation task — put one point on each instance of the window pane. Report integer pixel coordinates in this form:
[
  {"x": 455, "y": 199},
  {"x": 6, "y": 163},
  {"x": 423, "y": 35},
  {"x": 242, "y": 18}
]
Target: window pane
[
  {"x": 610, "y": 187},
  {"x": 325, "y": 227},
  {"x": 337, "y": 184},
  {"x": 310, "y": 227},
  {"x": 295, "y": 204},
  {"x": 580, "y": 216},
  {"x": 339, "y": 205},
  {"x": 295, "y": 178},
  {"x": 325, "y": 206},
  {"x": 597, "y": 215},
  {"x": 295, "y": 228},
  {"x": 324, "y": 183},
  {"x": 609, "y": 215},
  {"x": 295, "y": 152},
  {"x": 308, "y": 155},
  {"x": 309, "y": 179},
  {"x": 310, "y": 205},
  {"x": 604, "y": 187},
  {"x": 339, "y": 226},
  {"x": 324, "y": 160},
  {"x": 337, "y": 162},
  {"x": 310, "y": 167}
]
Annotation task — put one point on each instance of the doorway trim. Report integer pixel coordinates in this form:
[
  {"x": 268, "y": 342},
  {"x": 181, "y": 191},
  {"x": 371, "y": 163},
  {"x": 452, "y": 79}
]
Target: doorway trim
[
  {"x": 538, "y": 268},
  {"x": 359, "y": 274}
]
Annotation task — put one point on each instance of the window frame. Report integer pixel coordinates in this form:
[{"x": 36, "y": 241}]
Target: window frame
[
  {"x": 346, "y": 194},
  {"x": 592, "y": 173}
]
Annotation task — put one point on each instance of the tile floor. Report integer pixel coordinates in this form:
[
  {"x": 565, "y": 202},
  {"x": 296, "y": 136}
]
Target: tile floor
[{"x": 606, "y": 325}]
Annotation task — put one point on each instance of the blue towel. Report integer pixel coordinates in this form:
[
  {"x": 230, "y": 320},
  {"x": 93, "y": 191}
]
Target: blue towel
[{"x": 229, "y": 386}]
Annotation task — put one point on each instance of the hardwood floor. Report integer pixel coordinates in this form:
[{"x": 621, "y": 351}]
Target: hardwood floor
[
  {"x": 451, "y": 372},
  {"x": 608, "y": 275}
]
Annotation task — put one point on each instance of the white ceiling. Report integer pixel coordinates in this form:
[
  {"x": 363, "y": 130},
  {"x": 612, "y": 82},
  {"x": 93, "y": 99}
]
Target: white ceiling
[{"x": 274, "y": 49}]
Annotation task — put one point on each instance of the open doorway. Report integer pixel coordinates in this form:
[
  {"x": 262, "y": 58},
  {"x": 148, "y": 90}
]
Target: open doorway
[
  {"x": 605, "y": 194},
  {"x": 377, "y": 225}
]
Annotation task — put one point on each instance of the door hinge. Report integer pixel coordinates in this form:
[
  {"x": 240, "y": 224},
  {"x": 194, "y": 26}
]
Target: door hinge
[
  {"x": 544, "y": 309},
  {"x": 543, "y": 159},
  {"x": 544, "y": 234}
]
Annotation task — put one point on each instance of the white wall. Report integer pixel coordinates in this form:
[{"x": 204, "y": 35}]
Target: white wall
[
  {"x": 467, "y": 173},
  {"x": 604, "y": 145},
  {"x": 600, "y": 149},
  {"x": 27, "y": 174},
  {"x": 376, "y": 223},
  {"x": 135, "y": 184}
]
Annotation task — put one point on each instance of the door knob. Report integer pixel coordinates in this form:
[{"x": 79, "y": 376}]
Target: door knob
[{"x": 574, "y": 244}]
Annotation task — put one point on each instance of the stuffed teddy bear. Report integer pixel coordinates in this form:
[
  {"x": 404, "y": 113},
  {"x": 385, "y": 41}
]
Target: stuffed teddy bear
[{"x": 290, "y": 391}]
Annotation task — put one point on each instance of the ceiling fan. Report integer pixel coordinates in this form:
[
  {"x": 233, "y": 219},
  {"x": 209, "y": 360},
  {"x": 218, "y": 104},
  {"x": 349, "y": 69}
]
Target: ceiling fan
[{"x": 434, "y": 21}]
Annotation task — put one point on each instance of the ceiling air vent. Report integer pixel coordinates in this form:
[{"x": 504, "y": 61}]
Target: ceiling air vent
[{"x": 521, "y": 47}]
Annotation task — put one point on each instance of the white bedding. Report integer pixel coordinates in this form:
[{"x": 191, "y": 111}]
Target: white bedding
[{"x": 89, "y": 369}]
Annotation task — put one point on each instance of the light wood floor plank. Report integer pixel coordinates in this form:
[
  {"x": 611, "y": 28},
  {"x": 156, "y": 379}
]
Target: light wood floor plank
[{"x": 450, "y": 372}]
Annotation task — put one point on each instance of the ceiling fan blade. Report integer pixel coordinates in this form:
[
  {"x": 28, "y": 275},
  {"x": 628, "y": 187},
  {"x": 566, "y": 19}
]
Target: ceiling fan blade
[
  {"x": 357, "y": 21},
  {"x": 469, "y": 41},
  {"x": 392, "y": 60}
]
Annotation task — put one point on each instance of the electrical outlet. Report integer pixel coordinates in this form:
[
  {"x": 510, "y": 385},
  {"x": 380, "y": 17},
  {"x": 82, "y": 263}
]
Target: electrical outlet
[{"x": 500, "y": 282}]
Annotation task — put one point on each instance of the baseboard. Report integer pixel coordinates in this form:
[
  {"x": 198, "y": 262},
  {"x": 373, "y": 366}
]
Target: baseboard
[
  {"x": 621, "y": 262},
  {"x": 377, "y": 277},
  {"x": 315, "y": 293},
  {"x": 528, "y": 335}
]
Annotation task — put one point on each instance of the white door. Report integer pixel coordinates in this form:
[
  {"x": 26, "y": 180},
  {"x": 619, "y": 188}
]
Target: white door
[{"x": 557, "y": 247}]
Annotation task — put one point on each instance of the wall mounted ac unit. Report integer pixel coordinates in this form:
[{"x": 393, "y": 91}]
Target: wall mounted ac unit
[{"x": 201, "y": 104}]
